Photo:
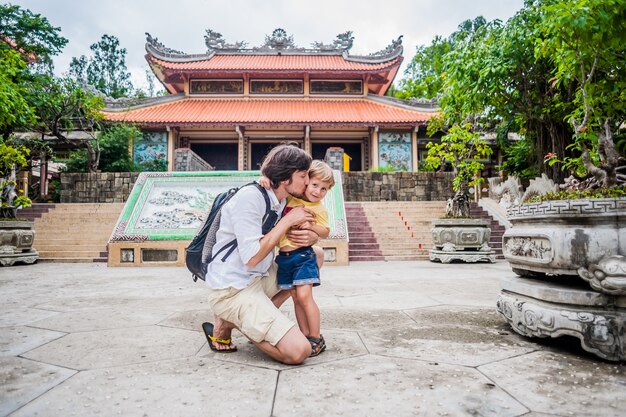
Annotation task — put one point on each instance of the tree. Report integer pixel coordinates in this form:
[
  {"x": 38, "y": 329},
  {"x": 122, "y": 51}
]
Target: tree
[
  {"x": 462, "y": 149},
  {"x": 424, "y": 72},
  {"x": 15, "y": 110},
  {"x": 25, "y": 39},
  {"x": 116, "y": 143},
  {"x": 106, "y": 69},
  {"x": 586, "y": 42},
  {"x": 29, "y": 34},
  {"x": 63, "y": 106}
]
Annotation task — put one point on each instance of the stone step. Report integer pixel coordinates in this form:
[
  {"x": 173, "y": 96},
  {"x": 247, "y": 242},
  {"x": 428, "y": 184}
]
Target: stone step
[
  {"x": 72, "y": 260},
  {"x": 367, "y": 258},
  {"x": 64, "y": 254},
  {"x": 79, "y": 246}
]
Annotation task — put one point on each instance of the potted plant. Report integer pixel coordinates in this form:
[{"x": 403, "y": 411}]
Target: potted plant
[
  {"x": 457, "y": 236},
  {"x": 16, "y": 235},
  {"x": 572, "y": 240}
]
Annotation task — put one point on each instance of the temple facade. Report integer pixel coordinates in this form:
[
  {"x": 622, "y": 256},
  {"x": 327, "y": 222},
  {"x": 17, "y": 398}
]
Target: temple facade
[{"x": 231, "y": 104}]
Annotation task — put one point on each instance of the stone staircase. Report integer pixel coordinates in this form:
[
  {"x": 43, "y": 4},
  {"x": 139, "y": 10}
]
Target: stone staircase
[
  {"x": 73, "y": 232},
  {"x": 399, "y": 230},
  {"x": 497, "y": 230},
  {"x": 363, "y": 245}
]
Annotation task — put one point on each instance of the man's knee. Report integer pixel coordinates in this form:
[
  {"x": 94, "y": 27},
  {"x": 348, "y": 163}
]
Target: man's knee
[
  {"x": 294, "y": 347},
  {"x": 297, "y": 355}
]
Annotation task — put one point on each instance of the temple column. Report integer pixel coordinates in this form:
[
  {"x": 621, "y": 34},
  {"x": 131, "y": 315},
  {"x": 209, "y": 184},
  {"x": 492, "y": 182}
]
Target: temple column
[
  {"x": 241, "y": 148},
  {"x": 414, "y": 149},
  {"x": 307, "y": 139},
  {"x": 171, "y": 144},
  {"x": 374, "y": 135},
  {"x": 43, "y": 176}
]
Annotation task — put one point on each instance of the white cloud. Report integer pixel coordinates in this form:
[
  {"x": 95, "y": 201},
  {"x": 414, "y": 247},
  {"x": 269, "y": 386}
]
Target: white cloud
[{"x": 181, "y": 24}]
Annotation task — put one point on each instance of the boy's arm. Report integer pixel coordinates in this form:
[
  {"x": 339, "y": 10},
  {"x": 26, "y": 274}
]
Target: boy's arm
[{"x": 321, "y": 231}]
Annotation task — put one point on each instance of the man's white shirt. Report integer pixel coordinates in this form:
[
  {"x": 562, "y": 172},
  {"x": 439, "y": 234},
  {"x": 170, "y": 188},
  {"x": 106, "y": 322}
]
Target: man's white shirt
[{"x": 242, "y": 218}]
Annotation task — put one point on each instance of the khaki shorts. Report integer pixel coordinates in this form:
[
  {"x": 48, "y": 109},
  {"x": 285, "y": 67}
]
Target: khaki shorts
[{"x": 251, "y": 309}]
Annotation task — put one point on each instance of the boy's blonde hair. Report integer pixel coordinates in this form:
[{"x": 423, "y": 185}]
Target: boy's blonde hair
[{"x": 322, "y": 171}]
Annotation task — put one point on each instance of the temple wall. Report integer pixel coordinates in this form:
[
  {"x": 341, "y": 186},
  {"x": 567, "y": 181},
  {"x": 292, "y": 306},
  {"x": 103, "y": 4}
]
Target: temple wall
[
  {"x": 115, "y": 187},
  {"x": 102, "y": 187},
  {"x": 397, "y": 186}
]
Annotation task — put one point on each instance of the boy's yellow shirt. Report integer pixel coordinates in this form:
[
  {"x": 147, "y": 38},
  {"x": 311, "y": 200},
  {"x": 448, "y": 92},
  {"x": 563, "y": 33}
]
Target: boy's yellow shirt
[{"x": 318, "y": 209}]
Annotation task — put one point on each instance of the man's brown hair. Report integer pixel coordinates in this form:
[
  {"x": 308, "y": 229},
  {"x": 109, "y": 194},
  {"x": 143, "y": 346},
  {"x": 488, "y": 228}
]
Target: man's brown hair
[{"x": 282, "y": 161}]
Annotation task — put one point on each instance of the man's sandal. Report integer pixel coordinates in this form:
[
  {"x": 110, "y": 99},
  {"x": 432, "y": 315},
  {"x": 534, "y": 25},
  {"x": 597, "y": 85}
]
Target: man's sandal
[
  {"x": 208, "y": 331},
  {"x": 317, "y": 345}
]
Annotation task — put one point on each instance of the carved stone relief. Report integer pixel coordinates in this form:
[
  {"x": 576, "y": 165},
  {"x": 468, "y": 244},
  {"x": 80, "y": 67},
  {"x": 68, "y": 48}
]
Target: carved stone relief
[{"x": 600, "y": 333}]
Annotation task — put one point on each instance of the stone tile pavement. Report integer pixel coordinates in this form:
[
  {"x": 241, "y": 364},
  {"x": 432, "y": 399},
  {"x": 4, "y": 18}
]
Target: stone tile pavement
[{"x": 404, "y": 339}]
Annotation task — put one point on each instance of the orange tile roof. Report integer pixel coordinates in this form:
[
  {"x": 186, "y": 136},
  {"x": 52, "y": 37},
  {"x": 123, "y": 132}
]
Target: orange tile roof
[
  {"x": 275, "y": 62},
  {"x": 360, "y": 111}
]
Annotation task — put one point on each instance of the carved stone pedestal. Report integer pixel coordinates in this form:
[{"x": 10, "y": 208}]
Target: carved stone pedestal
[
  {"x": 461, "y": 239},
  {"x": 16, "y": 241},
  {"x": 555, "y": 307}
]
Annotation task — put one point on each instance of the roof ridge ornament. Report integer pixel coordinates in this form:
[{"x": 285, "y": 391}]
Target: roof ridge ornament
[
  {"x": 390, "y": 49},
  {"x": 343, "y": 43},
  {"x": 154, "y": 43},
  {"x": 215, "y": 41},
  {"x": 278, "y": 40}
]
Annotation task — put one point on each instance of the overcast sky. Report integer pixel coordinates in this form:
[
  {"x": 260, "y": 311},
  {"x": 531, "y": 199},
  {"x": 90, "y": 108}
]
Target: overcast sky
[{"x": 181, "y": 24}]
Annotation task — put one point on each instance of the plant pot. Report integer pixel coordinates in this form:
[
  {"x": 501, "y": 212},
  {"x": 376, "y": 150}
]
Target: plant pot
[
  {"x": 8, "y": 212},
  {"x": 461, "y": 239},
  {"x": 16, "y": 242},
  {"x": 578, "y": 238}
]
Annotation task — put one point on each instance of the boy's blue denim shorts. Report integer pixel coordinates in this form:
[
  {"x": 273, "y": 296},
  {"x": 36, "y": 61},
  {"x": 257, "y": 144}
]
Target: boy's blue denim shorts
[{"x": 297, "y": 267}]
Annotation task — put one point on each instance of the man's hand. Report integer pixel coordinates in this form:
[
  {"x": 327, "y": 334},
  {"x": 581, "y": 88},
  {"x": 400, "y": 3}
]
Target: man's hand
[
  {"x": 302, "y": 237},
  {"x": 298, "y": 215},
  {"x": 304, "y": 225}
]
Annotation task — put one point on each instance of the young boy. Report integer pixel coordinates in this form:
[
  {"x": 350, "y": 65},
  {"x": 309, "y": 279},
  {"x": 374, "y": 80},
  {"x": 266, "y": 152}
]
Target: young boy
[{"x": 298, "y": 267}]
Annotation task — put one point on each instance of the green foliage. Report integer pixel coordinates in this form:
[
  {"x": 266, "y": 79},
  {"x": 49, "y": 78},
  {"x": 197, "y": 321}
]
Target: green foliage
[
  {"x": 615, "y": 192},
  {"x": 152, "y": 165},
  {"x": 15, "y": 111},
  {"x": 386, "y": 168},
  {"x": 30, "y": 34},
  {"x": 11, "y": 157},
  {"x": 115, "y": 148},
  {"x": 519, "y": 154},
  {"x": 76, "y": 162},
  {"x": 423, "y": 76},
  {"x": 585, "y": 40},
  {"x": 464, "y": 150},
  {"x": 106, "y": 69}
]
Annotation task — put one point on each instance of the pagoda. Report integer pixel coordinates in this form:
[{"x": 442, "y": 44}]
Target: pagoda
[{"x": 231, "y": 104}]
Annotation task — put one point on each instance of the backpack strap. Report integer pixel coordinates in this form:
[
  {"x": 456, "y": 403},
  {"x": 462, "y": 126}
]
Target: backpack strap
[{"x": 269, "y": 221}]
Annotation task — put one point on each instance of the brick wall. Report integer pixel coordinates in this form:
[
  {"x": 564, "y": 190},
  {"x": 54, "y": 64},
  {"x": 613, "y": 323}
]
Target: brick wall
[
  {"x": 115, "y": 187},
  {"x": 397, "y": 186},
  {"x": 103, "y": 187}
]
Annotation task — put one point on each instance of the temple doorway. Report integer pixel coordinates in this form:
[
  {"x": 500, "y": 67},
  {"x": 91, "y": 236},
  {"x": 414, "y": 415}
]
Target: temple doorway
[{"x": 222, "y": 156}]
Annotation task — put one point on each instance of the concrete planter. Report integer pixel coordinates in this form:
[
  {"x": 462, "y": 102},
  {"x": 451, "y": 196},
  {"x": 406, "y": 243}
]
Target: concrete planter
[
  {"x": 557, "y": 243},
  {"x": 16, "y": 242},
  {"x": 584, "y": 238},
  {"x": 461, "y": 239}
]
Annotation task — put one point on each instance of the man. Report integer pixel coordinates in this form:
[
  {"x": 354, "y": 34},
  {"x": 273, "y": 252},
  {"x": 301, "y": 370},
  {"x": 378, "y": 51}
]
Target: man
[{"x": 242, "y": 287}]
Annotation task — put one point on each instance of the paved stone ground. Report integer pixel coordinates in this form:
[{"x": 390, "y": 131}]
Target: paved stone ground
[{"x": 404, "y": 339}]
